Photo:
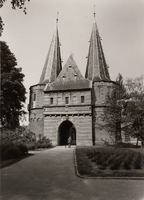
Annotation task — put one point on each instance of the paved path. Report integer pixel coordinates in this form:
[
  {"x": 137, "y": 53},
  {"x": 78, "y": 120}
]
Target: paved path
[{"x": 51, "y": 175}]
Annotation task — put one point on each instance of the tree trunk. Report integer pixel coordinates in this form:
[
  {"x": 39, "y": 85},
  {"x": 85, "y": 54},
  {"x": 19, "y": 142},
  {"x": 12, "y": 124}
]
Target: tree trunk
[{"x": 137, "y": 143}]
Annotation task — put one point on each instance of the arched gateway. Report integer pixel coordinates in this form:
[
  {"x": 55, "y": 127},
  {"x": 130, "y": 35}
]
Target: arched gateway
[{"x": 66, "y": 130}]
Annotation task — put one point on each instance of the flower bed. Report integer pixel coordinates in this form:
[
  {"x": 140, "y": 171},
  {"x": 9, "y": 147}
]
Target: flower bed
[{"x": 109, "y": 162}]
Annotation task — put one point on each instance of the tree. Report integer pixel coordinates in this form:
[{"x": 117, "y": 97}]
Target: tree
[
  {"x": 12, "y": 89},
  {"x": 112, "y": 110},
  {"x": 125, "y": 108},
  {"x": 135, "y": 88},
  {"x": 15, "y": 4}
]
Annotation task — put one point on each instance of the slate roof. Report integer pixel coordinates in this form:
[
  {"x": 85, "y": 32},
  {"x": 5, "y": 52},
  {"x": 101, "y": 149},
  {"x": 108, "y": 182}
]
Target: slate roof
[
  {"x": 70, "y": 78},
  {"x": 96, "y": 69},
  {"x": 52, "y": 66}
]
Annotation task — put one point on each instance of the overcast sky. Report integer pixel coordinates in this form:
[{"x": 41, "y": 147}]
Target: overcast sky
[{"x": 120, "y": 24}]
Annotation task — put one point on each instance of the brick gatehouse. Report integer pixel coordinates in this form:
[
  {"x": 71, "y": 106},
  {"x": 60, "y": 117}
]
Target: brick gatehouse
[{"x": 65, "y": 103}]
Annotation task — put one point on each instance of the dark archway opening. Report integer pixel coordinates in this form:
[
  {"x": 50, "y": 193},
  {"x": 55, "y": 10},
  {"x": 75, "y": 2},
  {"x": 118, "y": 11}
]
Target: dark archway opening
[{"x": 66, "y": 130}]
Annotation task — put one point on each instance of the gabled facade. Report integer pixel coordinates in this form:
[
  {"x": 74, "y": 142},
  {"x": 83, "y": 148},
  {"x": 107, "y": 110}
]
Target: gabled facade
[{"x": 64, "y": 103}]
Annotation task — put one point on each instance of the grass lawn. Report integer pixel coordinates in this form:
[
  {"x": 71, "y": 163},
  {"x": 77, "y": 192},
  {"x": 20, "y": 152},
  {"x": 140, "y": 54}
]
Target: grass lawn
[{"x": 109, "y": 162}]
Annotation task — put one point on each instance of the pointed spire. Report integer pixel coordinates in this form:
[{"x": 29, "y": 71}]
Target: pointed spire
[
  {"x": 96, "y": 69},
  {"x": 94, "y": 13},
  {"x": 52, "y": 66},
  {"x": 57, "y": 20}
]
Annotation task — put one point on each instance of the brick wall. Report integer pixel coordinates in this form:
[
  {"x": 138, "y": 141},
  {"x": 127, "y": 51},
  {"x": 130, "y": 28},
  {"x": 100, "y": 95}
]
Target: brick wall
[
  {"x": 100, "y": 92},
  {"x": 82, "y": 125},
  {"x": 36, "y": 96},
  {"x": 74, "y": 98},
  {"x": 36, "y": 124}
]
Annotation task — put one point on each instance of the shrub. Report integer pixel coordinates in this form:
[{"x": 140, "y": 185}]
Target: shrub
[
  {"x": 39, "y": 145},
  {"x": 127, "y": 162},
  {"x": 102, "y": 167},
  {"x": 4, "y": 146},
  {"x": 12, "y": 152},
  {"x": 20, "y": 134},
  {"x": 137, "y": 162},
  {"x": 43, "y": 142},
  {"x": 31, "y": 146},
  {"x": 115, "y": 165},
  {"x": 101, "y": 158},
  {"x": 127, "y": 165},
  {"x": 23, "y": 148}
]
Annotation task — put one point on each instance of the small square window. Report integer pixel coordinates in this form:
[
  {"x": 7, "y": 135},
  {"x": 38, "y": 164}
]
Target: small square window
[
  {"x": 51, "y": 101},
  {"x": 66, "y": 100},
  {"x": 82, "y": 99}
]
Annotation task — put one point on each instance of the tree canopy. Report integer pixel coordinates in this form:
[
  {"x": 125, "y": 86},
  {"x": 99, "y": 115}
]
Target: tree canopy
[
  {"x": 20, "y": 4},
  {"x": 16, "y": 4},
  {"x": 125, "y": 108},
  {"x": 12, "y": 88},
  {"x": 135, "y": 89}
]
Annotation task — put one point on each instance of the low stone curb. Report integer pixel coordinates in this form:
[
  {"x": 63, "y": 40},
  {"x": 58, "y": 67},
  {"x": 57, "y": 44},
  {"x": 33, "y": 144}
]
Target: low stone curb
[{"x": 88, "y": 177}]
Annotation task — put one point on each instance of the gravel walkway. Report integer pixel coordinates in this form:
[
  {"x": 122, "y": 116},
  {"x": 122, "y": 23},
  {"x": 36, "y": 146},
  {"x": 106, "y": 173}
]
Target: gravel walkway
[{"x": 50, "y": 174}]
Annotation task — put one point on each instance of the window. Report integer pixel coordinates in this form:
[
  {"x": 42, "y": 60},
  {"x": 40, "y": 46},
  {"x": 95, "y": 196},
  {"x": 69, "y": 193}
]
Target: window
[
  {"x": 34, "y": 96},
  {"x": 51, "y": 100},
  {"x": 82, "y": 99},
  {"x": 74, "y": 100},
  {"x": 34, "y": 100},
  {"x": 34, "y": 104},
  {"x": 66, "y": 100}
]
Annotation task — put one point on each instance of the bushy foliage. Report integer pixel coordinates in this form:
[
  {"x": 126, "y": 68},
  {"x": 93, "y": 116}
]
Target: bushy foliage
[
  {"x": 13, "y": 92},
  {"x": 18, "y": 135},
  {"x": 23, "y": 148},
  {"x": 20, "y": 4},
  {"x": 43, "y": 142},
  {"x": 11, "y": 150},
  {"x": 23, "y": 137},
  {"x": 124, "y": 109}
]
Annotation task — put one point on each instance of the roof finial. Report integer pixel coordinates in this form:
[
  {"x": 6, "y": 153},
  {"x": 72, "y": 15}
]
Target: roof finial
[
  {"x": 57, "y": 18},
  {"x": 94, "y": 12}
]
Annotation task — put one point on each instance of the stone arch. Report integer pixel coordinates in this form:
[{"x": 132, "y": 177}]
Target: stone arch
[{"x": 65, "y": 129}]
